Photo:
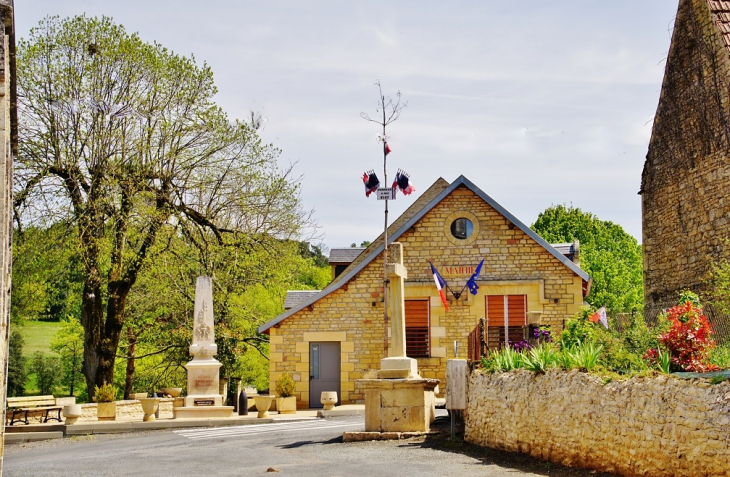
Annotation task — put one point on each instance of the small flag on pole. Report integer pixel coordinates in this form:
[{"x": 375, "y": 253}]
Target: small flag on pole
[
  {"x": 371, "y": 182},
  {"x": 386, "y": 148},
  {"x": 472, "y": 282},
  {"x": 440, "y": 284},
  {"x": 403, "y": 182},
  {"x": 600, "y": 317}
]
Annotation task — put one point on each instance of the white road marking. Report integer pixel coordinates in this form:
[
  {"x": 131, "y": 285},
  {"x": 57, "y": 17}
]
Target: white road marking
[{"x": 258, "y": 429}]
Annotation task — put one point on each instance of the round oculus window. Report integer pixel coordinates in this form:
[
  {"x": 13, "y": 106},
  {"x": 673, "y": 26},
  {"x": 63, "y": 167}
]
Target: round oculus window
[{"x": 462, "y": 228}]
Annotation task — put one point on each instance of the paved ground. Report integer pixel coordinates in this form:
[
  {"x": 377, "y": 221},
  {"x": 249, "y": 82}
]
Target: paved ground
[{"x": 305, "y": 448}]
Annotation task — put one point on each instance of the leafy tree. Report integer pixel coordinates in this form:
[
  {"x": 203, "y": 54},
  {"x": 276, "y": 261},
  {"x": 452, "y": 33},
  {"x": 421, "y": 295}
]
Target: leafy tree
[
  {"x": 47, "y": 279},
  {"x": 122, "y": 140},
  {"x": 47, "y": 370},
  {"x": 69, "y": 344},
  {"x": 17, "y": 374},
  {"x": 607, "y": 253}
]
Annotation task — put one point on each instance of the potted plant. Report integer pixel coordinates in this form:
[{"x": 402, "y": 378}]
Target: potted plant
[
  {"x": 106, "y": 406},
  {"x": 286, "y": 402}
]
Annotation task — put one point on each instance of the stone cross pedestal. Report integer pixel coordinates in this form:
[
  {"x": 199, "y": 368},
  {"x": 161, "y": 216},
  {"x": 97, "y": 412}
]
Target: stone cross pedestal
[{"x": 203, "y": 398}]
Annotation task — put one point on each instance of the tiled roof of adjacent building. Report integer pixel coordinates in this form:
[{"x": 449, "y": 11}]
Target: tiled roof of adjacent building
[
  {"x": 721, "y": 15},
  {"x": 345, "y": 255},
  {"x": 297, "y": 297}
]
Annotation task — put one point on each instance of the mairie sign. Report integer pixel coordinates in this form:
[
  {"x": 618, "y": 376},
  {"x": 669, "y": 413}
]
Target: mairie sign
[{"x": 456, "y": 270}]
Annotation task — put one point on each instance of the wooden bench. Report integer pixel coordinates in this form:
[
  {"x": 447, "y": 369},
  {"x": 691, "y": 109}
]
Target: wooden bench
[{"x": 20, "y": 408}]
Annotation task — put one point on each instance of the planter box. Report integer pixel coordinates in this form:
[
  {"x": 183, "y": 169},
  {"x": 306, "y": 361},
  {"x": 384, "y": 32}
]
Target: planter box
[
  {"x": 286, "y": 405},
  {"x": 106, "y": 411}
]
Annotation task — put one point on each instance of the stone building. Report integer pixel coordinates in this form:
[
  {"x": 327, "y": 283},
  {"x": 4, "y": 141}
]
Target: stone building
[
  {"x": 337, "y": 336},
  {"x": 685, "y": 187}
]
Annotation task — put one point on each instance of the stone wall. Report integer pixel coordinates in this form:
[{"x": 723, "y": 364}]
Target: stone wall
[
  {"x": 353, "y": 314},
  {"x": 685, "y": 182},
  {"x": 659, "y": 426}
]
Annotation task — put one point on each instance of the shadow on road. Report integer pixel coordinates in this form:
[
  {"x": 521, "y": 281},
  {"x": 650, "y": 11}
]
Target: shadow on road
[
  {"x": 441, "y": 440},
  {"x": 295, "y": 445}
]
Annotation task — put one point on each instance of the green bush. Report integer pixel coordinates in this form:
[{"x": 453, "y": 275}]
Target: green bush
[
  {"x": 17, "y": 374},
  {"x": 578, "y": 330},
  {"x": 720, "y": 356},
  {"x": 106, "y": 393},
  {"x": 47, "y": 371},
  {"x": 285, "y": 386}
]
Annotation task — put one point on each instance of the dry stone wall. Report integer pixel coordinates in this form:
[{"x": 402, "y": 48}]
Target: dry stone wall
[{"x": 658, "y": 426}]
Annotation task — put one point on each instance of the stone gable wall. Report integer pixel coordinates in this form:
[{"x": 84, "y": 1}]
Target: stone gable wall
[
  {"x": 353, "y": 315},
  {"x": 658, "y": 426},
  {"x": 686, "y": 179}
]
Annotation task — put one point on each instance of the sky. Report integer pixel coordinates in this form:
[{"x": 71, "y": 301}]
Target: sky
[{"x": 537, "y": 103}]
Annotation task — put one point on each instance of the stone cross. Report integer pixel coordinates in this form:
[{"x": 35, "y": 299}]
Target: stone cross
[{"x": 203, "y": 346}]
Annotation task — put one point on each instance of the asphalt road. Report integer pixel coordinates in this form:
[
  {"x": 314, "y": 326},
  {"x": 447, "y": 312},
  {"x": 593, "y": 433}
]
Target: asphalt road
[{"x": 310, "y": 448}]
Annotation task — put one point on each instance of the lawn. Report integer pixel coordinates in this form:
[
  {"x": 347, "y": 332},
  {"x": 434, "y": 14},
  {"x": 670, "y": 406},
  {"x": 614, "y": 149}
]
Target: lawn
[{"x": 38, "y": 335}]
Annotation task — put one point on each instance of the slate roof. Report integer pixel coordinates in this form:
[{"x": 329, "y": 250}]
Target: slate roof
[
  {"x": 297, "y": 297},
  {"x": 721, "y": 15},
  {"x": 344, "y": 255},
  {"x": 432, "y": 197},
  {"x": 567, "y": 249}
]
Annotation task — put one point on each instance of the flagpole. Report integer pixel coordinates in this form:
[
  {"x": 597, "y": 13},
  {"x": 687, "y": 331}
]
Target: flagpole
[{"x": 385, "y": 237}]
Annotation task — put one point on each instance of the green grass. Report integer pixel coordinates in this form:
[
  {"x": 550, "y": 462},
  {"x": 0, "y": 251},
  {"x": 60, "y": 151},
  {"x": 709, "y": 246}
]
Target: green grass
[{"x": 38, "y": 335}]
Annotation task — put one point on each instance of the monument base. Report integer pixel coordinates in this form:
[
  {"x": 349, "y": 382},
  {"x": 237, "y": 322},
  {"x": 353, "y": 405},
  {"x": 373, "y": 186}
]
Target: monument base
[
  {"x": 398, "y": 368},
  {"x": 399, "y": 405},
  {"x": 201, "y": 412},
  {"x": 203, "y": 400}
]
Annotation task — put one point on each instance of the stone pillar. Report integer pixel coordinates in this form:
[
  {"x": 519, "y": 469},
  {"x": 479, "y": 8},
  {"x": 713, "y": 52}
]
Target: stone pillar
[
  {"x": 397, "y": 365},
  {"x": 397, "y": 273}
]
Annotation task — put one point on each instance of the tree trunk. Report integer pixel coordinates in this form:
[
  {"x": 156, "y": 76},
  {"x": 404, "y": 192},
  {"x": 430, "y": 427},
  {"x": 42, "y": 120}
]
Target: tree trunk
[
  {"x": 129, "y": 379},
  {"x": 92, "y": 318}
]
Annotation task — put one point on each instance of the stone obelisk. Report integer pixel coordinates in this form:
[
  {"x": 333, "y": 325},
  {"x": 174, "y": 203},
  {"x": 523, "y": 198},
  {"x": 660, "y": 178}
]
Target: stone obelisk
[{"x": 202, "y": 399}]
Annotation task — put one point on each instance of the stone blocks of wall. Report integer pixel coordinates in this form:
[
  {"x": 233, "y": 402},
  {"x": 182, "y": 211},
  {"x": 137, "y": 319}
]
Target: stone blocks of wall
[{"x": 658, "y": 426}]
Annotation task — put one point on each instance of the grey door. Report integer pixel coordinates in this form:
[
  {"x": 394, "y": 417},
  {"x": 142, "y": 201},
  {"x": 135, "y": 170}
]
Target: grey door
[{"x": 324, "y": 371}]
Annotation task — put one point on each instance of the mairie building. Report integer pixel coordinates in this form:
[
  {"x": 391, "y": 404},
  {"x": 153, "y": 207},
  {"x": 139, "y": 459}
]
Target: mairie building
[{"x": 329, "y": 339}]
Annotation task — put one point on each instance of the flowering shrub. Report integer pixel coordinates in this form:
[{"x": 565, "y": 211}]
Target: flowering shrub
[
  {"x": 688, "y": 340},
  {"x": 521, "y": 346},
  {"x": 542, "y": 334}
]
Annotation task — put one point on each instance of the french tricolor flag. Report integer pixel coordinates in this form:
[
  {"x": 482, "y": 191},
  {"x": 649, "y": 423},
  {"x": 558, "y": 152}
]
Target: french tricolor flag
[{"x": 440, "y": 284}]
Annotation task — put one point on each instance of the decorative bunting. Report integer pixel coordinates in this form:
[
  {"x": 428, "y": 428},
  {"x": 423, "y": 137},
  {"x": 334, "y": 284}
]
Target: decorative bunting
[
  {"x": 403, "y": 182},
  {"x": 371, "y": 182}
]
